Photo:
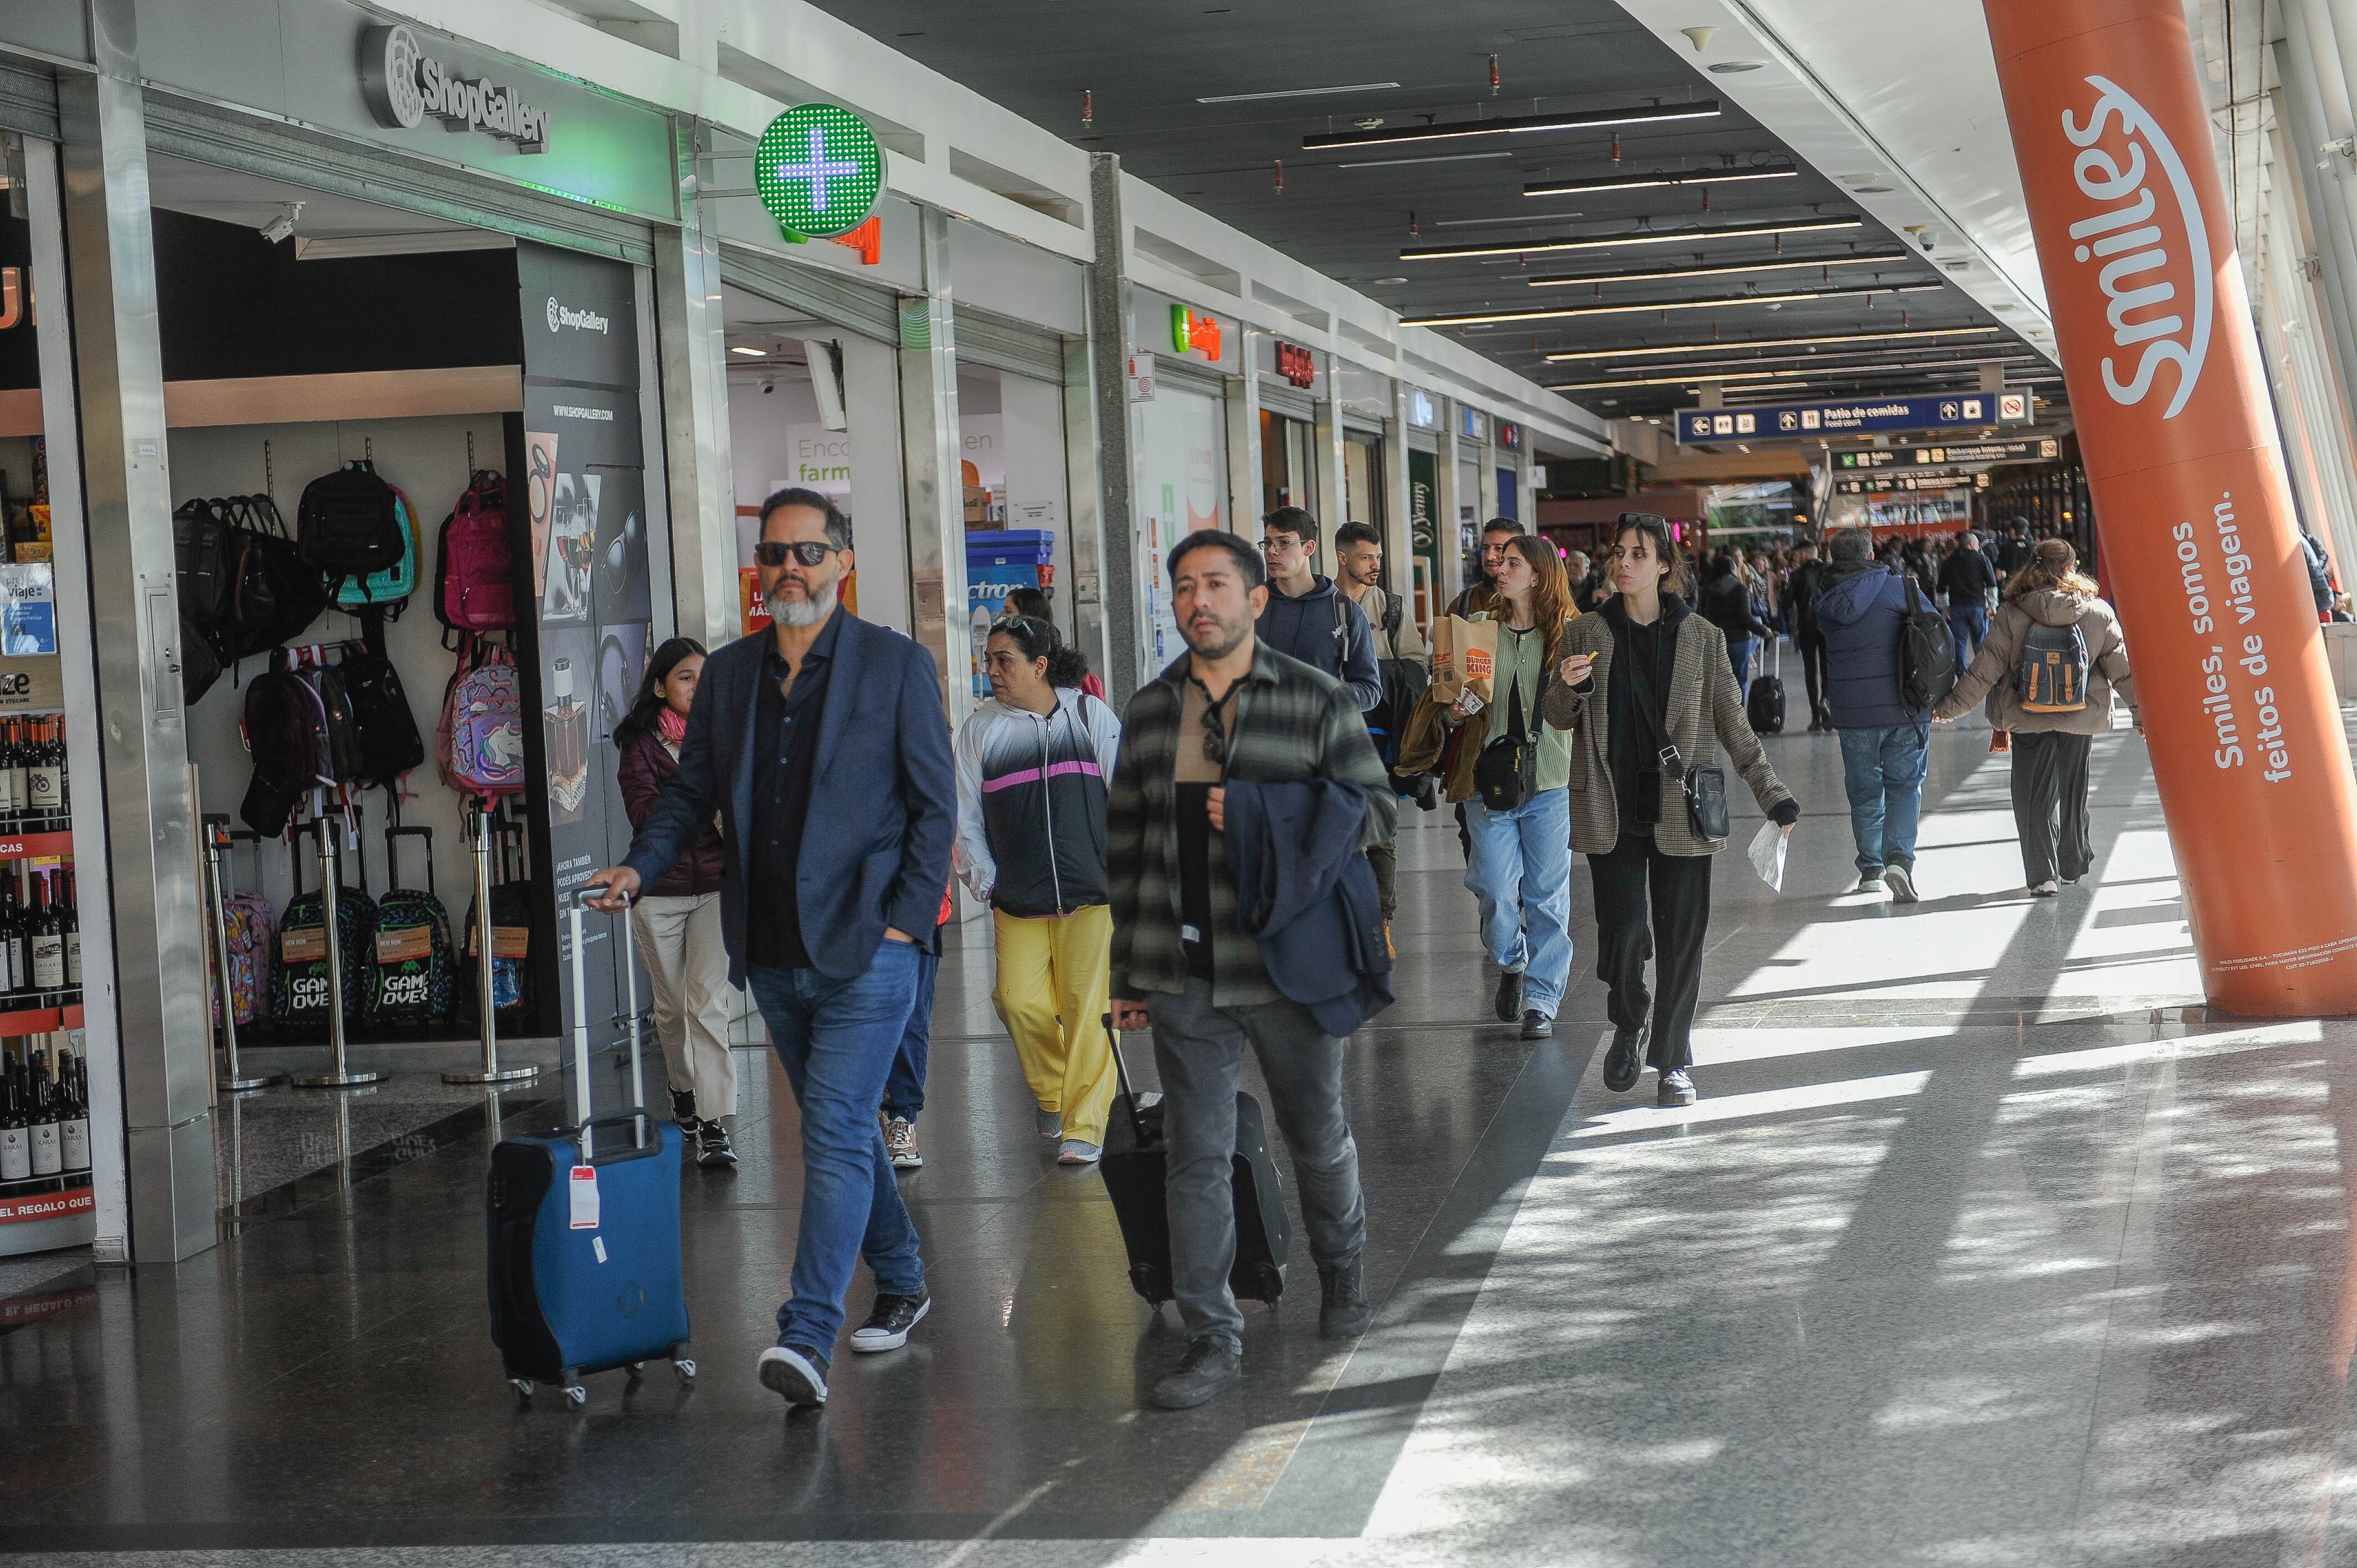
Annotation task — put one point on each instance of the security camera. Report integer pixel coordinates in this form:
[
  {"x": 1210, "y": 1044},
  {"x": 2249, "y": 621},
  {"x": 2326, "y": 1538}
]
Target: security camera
[
  {"x": 1925, "y": 240},
  {"x": 768, "y": 386},
  {"x": 282, "y": 226}
]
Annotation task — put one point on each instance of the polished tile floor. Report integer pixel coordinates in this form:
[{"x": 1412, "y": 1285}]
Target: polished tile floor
[{"x": 1985, "y": 1245}]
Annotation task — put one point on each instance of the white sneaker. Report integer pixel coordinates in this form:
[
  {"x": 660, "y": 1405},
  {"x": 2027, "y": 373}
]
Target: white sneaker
[
  {"x": 1901, "y": 885},
  {"x": 1048, "y": 1124},
  {"x": 2041, "y": 890},
  {"x": 1076, "y": 1153},
  {"x": 794, "y": 1377},
  {"x": 1868, "y": 882},
  {"x": 901, "y": 1142}
]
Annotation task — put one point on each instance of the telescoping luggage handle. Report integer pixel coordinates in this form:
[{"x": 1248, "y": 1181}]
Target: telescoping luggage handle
[
  {"x": 637, "y": 1113},
  {"x": 1120, "y": 1076}
]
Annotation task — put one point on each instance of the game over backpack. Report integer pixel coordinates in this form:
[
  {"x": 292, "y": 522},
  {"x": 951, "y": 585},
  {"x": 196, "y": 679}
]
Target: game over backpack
[
  {"x": 481, "y": 735},
  {"x": 349, "y": 524},
  {"x": 413, "y": 972},
  {"x": 299, "y": 991},
  {"x": 473, "y": 568}
]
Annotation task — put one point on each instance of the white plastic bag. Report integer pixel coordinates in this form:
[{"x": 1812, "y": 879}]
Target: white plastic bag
[{"x": 1768, "y": 855}]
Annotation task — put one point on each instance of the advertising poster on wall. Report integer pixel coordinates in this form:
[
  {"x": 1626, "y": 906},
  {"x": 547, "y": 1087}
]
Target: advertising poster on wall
[{"x": 584, "y": 648}]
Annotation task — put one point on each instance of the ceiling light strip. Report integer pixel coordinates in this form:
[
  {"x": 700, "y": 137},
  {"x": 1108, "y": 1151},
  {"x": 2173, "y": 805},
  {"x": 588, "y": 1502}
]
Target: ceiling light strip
[
  {"x": 1844, "y": 360},
  {"x": 1514, "y": 124},
  {"x": 1565, "y": 280},
  {"x": 1720, "y": 345},
  {"x": 1747, "y": 376},
  {"x": 1717, "y": 302},
  {"x": 1648, "y": 181},
  {"x": 1629, "y": 236}
]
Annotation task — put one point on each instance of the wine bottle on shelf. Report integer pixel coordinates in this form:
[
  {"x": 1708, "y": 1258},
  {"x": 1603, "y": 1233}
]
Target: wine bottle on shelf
[
  {"x": 65, "y": 773},
  {"x": 46, "y": 776},
  {"x": 15, "y": 958},
  {"x": 15, "y": 1135},
  {"x": 20, "y": 771},
  {"x": 69, "y": 922},
  {"x": 11, "y": 776},
  {"x": 73, "y": 1128},
  {"x": 49, "y": 940},
  {"x": 48, "y": 1158}
]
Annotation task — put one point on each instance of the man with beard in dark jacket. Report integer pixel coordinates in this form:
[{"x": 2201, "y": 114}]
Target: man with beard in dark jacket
[
  {"x": 1807, "y": 580},
  {"x": 1862, "y": 611},
  {"x": 1306, "y": 617}
]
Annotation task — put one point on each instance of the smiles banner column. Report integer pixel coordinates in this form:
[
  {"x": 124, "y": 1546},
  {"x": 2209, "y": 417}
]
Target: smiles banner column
[{"x": 2135, "y": 243}]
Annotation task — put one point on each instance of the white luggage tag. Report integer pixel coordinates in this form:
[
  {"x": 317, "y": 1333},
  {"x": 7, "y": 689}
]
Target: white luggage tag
[{"x": 585, "y": 1197}]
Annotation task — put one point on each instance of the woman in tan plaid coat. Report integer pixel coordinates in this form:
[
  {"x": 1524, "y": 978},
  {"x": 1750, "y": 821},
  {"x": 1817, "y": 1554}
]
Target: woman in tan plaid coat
[{"x": 1645, "y": 688}]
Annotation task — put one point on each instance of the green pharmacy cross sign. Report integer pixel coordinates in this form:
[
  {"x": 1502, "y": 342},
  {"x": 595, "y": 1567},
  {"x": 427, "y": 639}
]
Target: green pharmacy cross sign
[{"x": 818, "y": 170}]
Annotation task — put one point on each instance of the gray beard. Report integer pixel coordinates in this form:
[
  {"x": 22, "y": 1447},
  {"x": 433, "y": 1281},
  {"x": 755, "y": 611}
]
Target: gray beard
[{"x": 804, "y": 612}]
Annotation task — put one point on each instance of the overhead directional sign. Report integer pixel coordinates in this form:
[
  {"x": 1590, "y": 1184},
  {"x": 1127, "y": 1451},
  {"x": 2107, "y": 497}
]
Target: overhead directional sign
[
  {"x": 1951, "y": 411},
  {"x": 1913, "y": 479},
  {"x": 2044, "y": 450},
  {"x": 818, "y": 170}
]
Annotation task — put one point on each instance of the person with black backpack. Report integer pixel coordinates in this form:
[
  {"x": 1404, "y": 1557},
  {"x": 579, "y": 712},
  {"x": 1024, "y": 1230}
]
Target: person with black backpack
[
  {"x": 2049, "y": 666},
  {"x": 1862, "y": 610},
  {"x": 1402, "y": 662},
  {"x": 1308, "y": 617}
]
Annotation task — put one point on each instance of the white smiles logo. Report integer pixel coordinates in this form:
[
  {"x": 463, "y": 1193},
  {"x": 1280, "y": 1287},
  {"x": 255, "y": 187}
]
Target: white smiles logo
[{"x": 2128, "y": 245}]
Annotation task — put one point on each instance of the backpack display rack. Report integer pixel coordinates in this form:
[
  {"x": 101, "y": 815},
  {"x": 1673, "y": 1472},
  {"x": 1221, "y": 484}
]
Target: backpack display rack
[{"x": 487, "y": 1012}]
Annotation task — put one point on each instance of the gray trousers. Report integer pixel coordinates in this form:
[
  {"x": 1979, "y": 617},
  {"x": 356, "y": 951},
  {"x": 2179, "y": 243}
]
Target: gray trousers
[{"x": 1199, "y": 1050}]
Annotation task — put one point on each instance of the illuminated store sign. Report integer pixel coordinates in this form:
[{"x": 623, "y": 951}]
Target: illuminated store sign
[
  {"x": 818, "y": 170},
  {"x": 1297, "y": 364},
  {"x": 402, "y": 85},
  {"x": 1189, "y": 329}
]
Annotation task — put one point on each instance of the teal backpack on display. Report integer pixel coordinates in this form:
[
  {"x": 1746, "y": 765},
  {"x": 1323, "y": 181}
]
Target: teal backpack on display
[{"x": 387, "y": 590}]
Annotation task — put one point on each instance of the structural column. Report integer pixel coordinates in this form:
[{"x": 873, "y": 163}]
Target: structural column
[
  {"x": 929, "y": 429},
  {"x": 1447, "y": 525},
  {"x": 1333, "y": 470},
  {"x": 1485, "y": 472},
  {"x": 1083, "y": 443},
  {"x": 2135, "y": 244},
  {"x": 1246, "y": 497},
  {"x": 1397, "y": 523},
  {"x": 151, "y": 814},
  {"x": 693, "y": 355},
  {"x": 1116, "y": 475}
]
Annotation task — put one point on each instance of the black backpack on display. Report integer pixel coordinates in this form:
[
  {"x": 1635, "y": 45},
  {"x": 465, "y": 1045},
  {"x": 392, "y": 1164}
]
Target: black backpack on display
[
  {"x": 200, "y": 662},
  {"x": 1927, "y": 650},
  {"x": 343, "y": 731},
  {"x": 273, "y": 596},
  {"x": 350, "y": 524},
  {"x": 390, "y": 744},
  {"x": 286, "y": 731},
  {"x": 204, "y": 560}
]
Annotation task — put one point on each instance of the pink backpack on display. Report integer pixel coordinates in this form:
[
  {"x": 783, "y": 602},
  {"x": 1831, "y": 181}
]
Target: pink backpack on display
[
  {"x": 480, "y": 743},
  {"x": 474, "y": 570}
]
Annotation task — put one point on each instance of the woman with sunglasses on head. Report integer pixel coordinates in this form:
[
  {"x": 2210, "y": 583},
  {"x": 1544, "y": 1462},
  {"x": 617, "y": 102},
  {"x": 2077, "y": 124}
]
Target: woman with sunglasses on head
[
  {"x": 1032, "y": 764},
  {"x": 1509, "y": 774},
  {"x": 1646, "y": 690},
  {"x": 677, "y": 919}
]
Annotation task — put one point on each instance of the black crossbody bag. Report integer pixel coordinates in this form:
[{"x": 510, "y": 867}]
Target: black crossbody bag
[
  {"x": 1507, "y": 772},
  {"x": 1704, "y": 789}
]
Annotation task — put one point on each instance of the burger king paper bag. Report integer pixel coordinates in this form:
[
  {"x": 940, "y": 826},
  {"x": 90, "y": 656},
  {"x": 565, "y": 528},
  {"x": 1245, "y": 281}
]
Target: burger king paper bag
[{"x": 1471, "y": 647}]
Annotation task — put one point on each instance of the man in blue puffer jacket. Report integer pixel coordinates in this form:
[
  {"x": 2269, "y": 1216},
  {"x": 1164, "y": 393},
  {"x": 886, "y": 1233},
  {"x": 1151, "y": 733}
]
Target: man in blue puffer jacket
[
  {"x": 1306, "y": 616},
  {"x": 1861, "y": 612}
]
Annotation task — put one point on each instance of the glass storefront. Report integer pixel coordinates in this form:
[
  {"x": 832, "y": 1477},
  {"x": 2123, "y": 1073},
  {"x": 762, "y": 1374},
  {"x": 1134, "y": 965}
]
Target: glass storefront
[{"x": 1180, "y": 446}]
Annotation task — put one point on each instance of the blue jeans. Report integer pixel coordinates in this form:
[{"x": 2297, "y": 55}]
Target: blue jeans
[
  {"x": 904, "y": 1091},
  {"x": 1739, "y": 658},
  {"x": 837, "y": 1040},
  {"x": 1522, "y": 873},
  {"x": 1969, "y": 625},
  {"x": 1882, "y": 770}
]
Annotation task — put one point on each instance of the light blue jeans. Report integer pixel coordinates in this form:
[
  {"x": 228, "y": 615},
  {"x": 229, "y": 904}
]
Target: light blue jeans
[
  {"x": 837, "y": 1040},
  {"x": 1522, "y": 873},
  {"x": 1882, "y": 772}
]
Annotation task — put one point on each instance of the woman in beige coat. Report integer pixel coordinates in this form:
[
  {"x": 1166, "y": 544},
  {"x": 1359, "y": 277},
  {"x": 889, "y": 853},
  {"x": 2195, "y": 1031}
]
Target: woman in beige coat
[
  {"x": 1644, "y": 686},
  {"x": 2055, "y": 703}
]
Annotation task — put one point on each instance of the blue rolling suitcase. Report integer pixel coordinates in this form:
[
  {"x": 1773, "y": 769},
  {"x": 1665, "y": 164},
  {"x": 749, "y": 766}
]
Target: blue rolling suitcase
[{"x": 584, "y": 1232}]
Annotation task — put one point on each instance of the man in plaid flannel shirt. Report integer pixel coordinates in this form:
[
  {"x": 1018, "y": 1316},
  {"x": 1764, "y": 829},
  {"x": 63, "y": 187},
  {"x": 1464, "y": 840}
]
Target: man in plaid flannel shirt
[{"x": 1231, "y": 706}]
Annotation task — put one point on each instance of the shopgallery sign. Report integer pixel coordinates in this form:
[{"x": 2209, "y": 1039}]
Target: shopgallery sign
[{"x": 403, "y": 84}]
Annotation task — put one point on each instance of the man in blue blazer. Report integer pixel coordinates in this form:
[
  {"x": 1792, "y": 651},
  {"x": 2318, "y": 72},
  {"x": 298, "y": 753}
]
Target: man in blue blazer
[{"x": 824, "y": 749}]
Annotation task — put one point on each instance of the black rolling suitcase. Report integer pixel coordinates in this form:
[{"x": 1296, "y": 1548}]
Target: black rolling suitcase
[
  {"x": 1134, "y": 1177},
  {"x": 1765, "y": 706}
]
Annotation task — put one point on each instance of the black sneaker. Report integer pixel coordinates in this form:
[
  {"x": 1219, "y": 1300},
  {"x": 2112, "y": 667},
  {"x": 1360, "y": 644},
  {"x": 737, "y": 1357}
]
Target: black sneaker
[
  {"x": 1210, "y": 1368},
  {"x": 712, "y": 1144},
  {"x": 1537, "y": 1026},
  {"x": 683, "y": 1109},
  {"x": 796, "y": 1373},
  {"x": 1342, "y": 1309},
  {"x": 1509, "y": 996},
  {"x": 887, "y": 1325},
  {"x": 1625, "y": 1061}
]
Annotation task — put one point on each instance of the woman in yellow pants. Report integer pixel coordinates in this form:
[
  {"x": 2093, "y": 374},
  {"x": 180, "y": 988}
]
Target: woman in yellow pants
[{"x": 1032, "y": 762}]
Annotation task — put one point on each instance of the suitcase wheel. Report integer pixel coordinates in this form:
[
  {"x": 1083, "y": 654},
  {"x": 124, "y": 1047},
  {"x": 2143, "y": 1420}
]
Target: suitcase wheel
[
  {"x": 522, "y": 1387},
  {"x": 686, "y": 1370},
  {"x": 575, "y": 1396}
]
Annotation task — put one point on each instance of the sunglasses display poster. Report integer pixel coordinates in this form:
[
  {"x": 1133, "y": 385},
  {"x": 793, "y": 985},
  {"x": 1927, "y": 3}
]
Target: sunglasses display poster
[{"x": 584, "y": 648}]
